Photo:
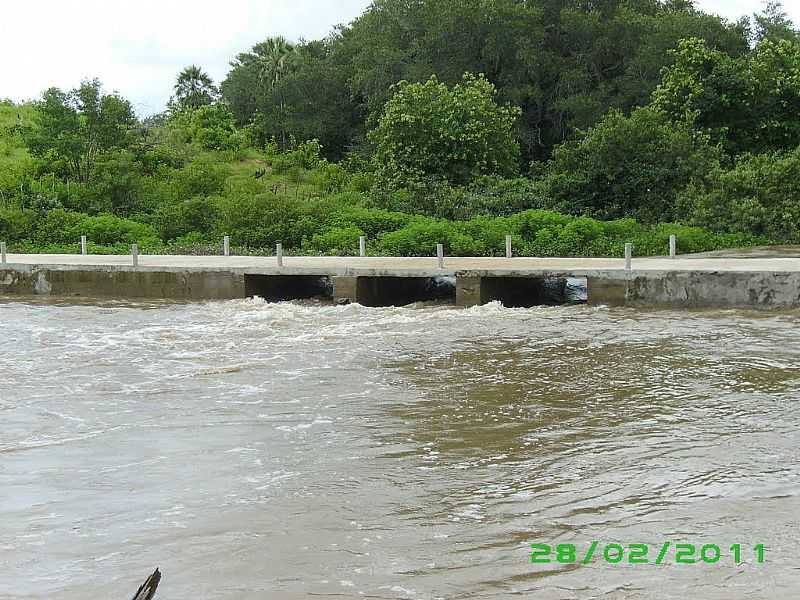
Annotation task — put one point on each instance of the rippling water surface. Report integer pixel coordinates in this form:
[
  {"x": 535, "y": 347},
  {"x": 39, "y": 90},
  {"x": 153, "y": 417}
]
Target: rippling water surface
[{"x": 296, "y": 451}]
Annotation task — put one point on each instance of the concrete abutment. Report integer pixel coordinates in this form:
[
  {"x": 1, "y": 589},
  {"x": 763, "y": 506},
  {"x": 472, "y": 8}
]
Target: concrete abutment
[{"x": 123, "y": 283}]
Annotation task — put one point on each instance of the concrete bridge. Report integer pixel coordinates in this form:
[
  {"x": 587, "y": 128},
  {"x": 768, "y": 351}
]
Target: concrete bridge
[{"x": 383, "y": 281}]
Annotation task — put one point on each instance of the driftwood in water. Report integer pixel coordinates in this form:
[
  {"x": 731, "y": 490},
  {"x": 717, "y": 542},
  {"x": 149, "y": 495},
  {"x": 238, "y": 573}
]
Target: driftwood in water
[{"x": 148, "y": 589}]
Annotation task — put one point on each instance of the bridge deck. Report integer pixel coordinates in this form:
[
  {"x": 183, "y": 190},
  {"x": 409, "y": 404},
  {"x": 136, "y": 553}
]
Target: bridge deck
[
  {"x": 418, "y": 267},
  {"x": 756, "y": 282}
]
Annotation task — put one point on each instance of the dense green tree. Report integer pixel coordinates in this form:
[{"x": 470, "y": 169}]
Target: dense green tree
[
  {"x": 252, "y": 88},
  {"x": 629, "y": 166},
  {"x": 749, "y": 103},
  {"x": 77, "y": 127},
  {"x": 458, "y": 134},
  {"x": 757, "y": 196},
  {"x": 211, "y": 127},
  {"x": 314, "y": 103},
  {"x": 193, "y": 88},
  {"x": 564, "y": 62},
  {"x": 115, "y": 186},
  {"x": 773, "y": 23}
]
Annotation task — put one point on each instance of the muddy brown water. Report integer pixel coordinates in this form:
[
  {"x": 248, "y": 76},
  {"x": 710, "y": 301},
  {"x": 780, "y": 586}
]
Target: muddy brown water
[{"x": 291, "y": 450}]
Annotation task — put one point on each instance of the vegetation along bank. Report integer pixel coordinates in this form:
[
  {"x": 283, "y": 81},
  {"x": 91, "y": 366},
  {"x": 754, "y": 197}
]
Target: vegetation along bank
[{"x": 575, "y": 128}]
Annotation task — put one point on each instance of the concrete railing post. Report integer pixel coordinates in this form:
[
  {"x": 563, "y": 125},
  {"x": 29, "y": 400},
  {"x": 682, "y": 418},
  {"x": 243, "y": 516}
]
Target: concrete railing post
[
  {"x": 362, "y": 246},
  {"x": 628, "y": 256},
  {"x": 673, "y": 246},
  {"x": 440, "y": 255},
  {"x": 135, "y": 254},
  {"x": 84, "y": 248},
  {"x": 279, "y": 254},
  {"x": 226, "y": 245},
  {"x": 509, "y": 249},
  {"x": 3, "y": 252}
]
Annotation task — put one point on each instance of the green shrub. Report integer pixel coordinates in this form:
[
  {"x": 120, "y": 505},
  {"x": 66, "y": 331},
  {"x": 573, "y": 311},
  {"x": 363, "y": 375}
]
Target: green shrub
[
  {"x": 420, "y": 237},
  {"x": 59, "y": 227},
  {"x": 194, "y": 216},
  {"x": 16, "y": 224},
  {"x": 628, "y": 166},
  {"x": 500, "y": 197},
  {"x": 306, "y": 156},
  {"x": 759, "y": 196},
  {"x": 338, "y": 241},
  {"x": 372, "y": 221},
  {"x": 260, "y": 221},
  {"x": 110, "y": 230}
]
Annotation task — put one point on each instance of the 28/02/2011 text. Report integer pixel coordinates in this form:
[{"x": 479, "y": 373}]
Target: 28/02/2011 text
[{"x": 640, "y": 554}]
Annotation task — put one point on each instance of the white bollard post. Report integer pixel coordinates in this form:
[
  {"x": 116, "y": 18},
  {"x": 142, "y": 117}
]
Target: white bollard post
[
  {"x": 628, "y": 256},
  {"x": 84, "y": 249},
  {"x": 673, "y": 246},
  {"x": 135, "y": 254},
  {"x": 3, "y": 252},
  {"x": 226, "y": 245},
  {"x": 279, "y": 254},
  {"x": 440, "y": 255},
  {"x": 509, "y": 249},
  {"x": 362, "y": 246}
]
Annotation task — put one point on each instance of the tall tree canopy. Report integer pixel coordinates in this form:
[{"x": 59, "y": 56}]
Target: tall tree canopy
[
  {"x": 564, "y": 62},
  {"x": 76, "y": 127},
  {"x": 749, "y": 103},
  {"x": 253, "y": 87},
  {"x": 774, "y": 24}
]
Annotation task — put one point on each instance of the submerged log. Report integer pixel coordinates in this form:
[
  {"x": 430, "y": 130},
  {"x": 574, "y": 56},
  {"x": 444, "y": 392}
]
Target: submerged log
[{"x": 149, "y": 587}]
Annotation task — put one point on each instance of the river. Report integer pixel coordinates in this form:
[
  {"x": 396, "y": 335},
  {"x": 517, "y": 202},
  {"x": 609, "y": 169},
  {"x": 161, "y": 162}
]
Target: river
[{"x": 294, "y": 450}]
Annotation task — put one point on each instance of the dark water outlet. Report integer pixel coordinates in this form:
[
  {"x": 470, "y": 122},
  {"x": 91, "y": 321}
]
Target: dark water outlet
[{"x": 279, "y": 288}]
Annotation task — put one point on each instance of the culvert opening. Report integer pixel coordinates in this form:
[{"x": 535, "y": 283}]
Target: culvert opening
[
  {"x": 280, "y": 288},
  {"x": 399, "y": 291},
  {"x": 527, "y": 292}
]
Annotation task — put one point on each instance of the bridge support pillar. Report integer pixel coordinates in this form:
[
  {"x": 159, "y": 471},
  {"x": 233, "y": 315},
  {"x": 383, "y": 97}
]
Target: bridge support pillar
[
  {"x": 345, "y": 289},
  {"x": 603, "y": 291},
  {"x": 469, "y": 291}
]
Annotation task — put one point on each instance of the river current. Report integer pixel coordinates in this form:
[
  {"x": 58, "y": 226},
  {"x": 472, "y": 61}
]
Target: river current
[{"x": 295, "y": 450}]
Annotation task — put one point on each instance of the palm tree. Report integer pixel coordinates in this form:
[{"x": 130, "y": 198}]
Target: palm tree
[
  {"x": 275, "y": 58},
  {"x": 194, "y": 88}
]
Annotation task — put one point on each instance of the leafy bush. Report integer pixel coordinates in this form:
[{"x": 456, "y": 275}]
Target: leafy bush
[
  {"x": 110, "y": 230},
  {"x": 500, "y": 197},
  {"x": 211, "y": 127},
  {"x": 759, "y": 196},
  {"x": 307, "y": 156},
  {"x": 430, "y": 130},
  {"x": 337, "y": 241},
  {"x": 16, "y": 224},
  {"x": 59, "y": 227},
  {"x": 195, "y": 216},
  {"x": 260, "y": 221},
  {"x": 628, "y": 166},
  {"x": 116, "y": 187}
]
